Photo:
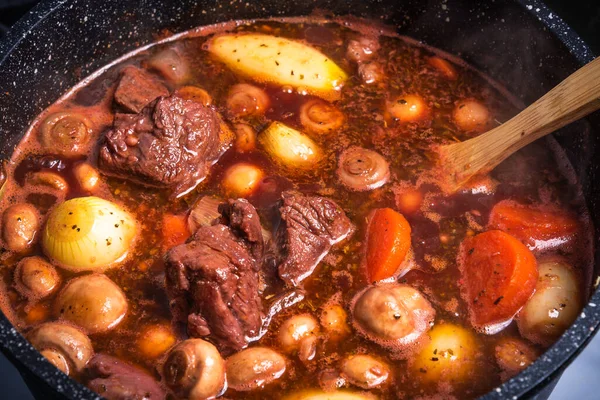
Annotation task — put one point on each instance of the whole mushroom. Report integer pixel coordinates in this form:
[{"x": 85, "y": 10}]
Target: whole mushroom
[
  {"x": 20, "y": 224},
  {"x": 36, "y": 278},
  {"x": 93, "y": 302},
  {"x": 299, "y": 333},
  {"x": 364, "y": 371},
  {"x": 195, "y": 370},
  {"x": 361, "y": 169},
  {"x": 66, "y": 133},
  {"x": 254, "y": 367},
  {"x": 245, "y": 100},
  {"x": 63, "y": 345},
  {"x": 320, "y": 117},
  {"x": 393, "y": 315}
]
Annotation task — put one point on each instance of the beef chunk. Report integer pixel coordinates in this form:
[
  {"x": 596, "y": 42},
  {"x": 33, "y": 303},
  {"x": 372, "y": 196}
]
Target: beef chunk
[
  {"x": 212, "y": 280},
  {"x": 170, "y": 144},
  {"x": 242, "y": 218},
  {"x": 114, "y": 379},
  {"x": 309, "y": 226},
  {"x": 137, "y": 89}
]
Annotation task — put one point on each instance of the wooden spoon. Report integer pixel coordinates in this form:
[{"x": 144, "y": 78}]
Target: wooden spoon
[{"x": 573, "y": 98}]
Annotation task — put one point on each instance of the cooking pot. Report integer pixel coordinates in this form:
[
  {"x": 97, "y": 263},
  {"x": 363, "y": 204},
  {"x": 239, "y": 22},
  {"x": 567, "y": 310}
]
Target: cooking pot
[{"x": 521, "y": 44}]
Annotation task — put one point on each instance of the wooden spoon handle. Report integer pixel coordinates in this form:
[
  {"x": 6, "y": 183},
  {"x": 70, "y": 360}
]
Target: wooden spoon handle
[{"x": 574, "y": 98}]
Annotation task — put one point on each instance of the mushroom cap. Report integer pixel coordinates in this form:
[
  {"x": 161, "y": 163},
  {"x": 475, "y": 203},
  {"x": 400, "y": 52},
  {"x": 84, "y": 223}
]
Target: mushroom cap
[
  {"x": 361, "y": 169},
  {"x": 392, "y": 315},
  {"x": 194, "y": 369},
  {"x": 63, "y": 345},
  {"x": 254, "y": 367},
  {"x": 93, "y": 302},
  {"x": 36, "y": 278}
]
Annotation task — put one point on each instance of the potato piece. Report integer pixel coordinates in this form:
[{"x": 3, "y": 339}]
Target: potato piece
[{"x": 280, "y": 61}]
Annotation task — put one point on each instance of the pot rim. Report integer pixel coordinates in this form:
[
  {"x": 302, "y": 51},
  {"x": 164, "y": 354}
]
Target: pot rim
[{"x": 20, "y": 352}]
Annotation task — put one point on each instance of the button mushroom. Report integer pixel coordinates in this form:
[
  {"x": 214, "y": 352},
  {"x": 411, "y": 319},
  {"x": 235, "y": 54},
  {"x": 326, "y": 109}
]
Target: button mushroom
[
  {"x": 254, "y": 367},
  {"x": 364, "y": 371},
  {"x": 360, "y": 169},
  {"x": 93, "y": 302},
  {"x": 66, "y": 133},
  {"x": 48, "y": 179},
  {"x": 245, "y": 137},
  {"x": 170, "y": 64},
  {"x": 194, "y": 93},
  {"x": 35, "y": 278},
  {"x": 244, "y": 100},
  {"x": 20, "y": 224},
  {"x": 299, "y": 333},
  {"x": 393, "y": 315},
  {"x": 64, "y": 346},
  {"x": 195, "y": 370},
  {"x": 320, "y": 117}
]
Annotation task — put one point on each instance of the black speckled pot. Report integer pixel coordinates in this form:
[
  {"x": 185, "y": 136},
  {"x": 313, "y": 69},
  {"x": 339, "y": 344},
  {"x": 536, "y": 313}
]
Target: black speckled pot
[{"x": 522, "y": 44}]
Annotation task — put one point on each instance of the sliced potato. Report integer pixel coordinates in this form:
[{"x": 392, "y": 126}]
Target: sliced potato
[
  {"x": 290, "y": 147},
  {"x": 281, "y": 61}
]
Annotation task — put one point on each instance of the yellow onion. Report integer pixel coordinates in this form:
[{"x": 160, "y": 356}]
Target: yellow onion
[
  {"x": 290, "y": 147},
  {"x": 88, "y": 234}
]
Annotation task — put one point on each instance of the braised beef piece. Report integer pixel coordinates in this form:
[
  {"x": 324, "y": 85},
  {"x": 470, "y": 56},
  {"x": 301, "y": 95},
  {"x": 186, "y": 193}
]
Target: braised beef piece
[
  {"x": 309, "y": 226},
  {"x": 170, "y": 144},
  {"x": 114, "y": 379},
  {"x": 212, "y": 280},
  {"x": 137, "y": 89}
]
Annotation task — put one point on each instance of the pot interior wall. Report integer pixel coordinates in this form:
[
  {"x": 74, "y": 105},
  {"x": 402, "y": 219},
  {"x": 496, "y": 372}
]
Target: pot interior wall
[{"x": 77, "y": 37}]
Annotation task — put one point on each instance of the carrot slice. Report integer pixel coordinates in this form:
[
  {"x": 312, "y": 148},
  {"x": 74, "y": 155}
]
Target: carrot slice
[
  {"x": 388, "y": 242},
  {"x": 174, "y": 230},
  {"x": 444, "y": 67},
  {"x": 499, "y": 276},
  {"x": 537, "y": 227}
]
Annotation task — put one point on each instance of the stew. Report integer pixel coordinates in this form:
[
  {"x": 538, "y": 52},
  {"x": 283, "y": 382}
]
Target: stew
[{"x": 245, "y": 211}]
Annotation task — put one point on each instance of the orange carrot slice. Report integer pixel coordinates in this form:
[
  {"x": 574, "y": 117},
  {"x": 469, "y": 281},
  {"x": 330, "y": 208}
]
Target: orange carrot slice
[
  {"x": 499, "y": 276},
  {"x": 388, "y": 242},
  {"x": 174, "y": 230},
  {"x": 533, "y": 225}
]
